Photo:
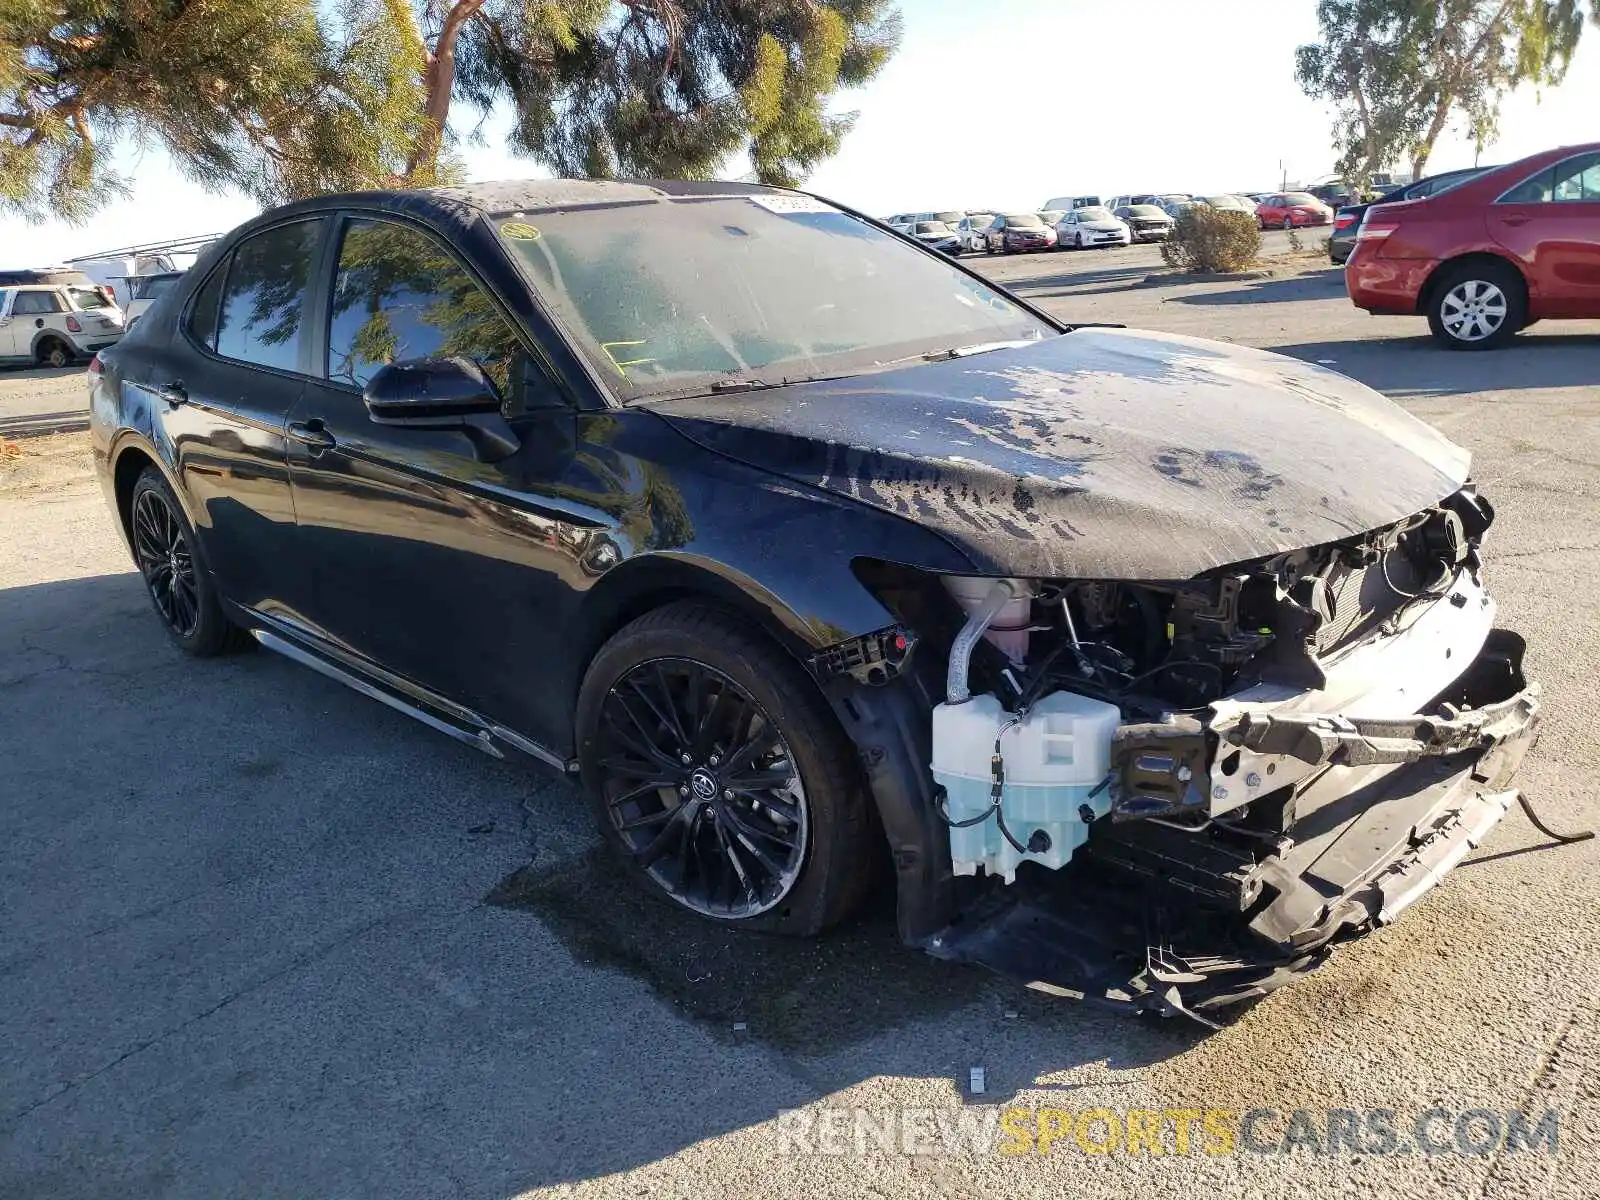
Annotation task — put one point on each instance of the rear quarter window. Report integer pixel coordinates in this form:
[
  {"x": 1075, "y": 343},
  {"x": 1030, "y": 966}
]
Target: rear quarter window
[{"x": 264, "y": 300}]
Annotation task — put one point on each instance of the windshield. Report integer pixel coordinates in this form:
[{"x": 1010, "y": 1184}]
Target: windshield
[
  {"x": 1051, "y": 215},
  {"x": 671, "y": 296},
  {"x": 1224, "y": 201},
  {"x": 932, "y": 227},
  {"x": 83, "y": 297},
  {"x": 949, "y": 218},
  {"x": 1024, "y": 221},
  {"x": 1302, "y": 198},
  {"x": 151, "y": 286},
  {"x": 1095, "y": 213},
  {"x": 1145, "y": 210}
]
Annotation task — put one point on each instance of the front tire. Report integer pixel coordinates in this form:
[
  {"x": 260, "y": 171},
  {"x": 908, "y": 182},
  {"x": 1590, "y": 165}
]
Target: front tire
[
  {"x": 1477, "y": 306},
  {"x": 174, "y": 570},
  {"x": 719, "y": 773}
]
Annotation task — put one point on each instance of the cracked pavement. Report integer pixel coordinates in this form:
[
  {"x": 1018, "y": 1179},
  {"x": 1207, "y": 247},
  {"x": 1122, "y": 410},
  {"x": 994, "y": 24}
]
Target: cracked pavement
[{"x": 246, "y": 948}]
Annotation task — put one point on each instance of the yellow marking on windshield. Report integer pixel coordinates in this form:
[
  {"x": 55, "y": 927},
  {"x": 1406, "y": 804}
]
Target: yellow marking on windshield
[
  {"x": 622, "y": 365},
  {"x": 520, "y": 231}
]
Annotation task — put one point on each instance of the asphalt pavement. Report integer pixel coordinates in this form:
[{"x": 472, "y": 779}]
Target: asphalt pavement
[{"x": 260, "y": 936}]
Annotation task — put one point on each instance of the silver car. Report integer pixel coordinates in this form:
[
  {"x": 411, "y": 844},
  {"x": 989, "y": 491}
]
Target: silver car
[{"x": 1093, "y": 226}]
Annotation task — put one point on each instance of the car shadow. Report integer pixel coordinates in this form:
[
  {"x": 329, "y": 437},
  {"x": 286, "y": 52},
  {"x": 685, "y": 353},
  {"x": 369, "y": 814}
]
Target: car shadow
[
  {"x": 1081, "y": 283},
  {"x": 1545, "y": 357},
  {"x": 255, "y": 918},
  {"x": 1312, "y": 285}
]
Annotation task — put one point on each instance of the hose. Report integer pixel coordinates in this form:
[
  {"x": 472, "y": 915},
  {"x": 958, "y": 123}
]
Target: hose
[
  {"x": 956, "y": 689},
  {"x": 1583, "y": 835}
]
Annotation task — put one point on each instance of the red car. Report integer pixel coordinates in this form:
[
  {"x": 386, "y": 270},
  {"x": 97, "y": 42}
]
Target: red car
[
  {"x": 1292, "y": 210},
  {"x": 1491, "y": 256}
]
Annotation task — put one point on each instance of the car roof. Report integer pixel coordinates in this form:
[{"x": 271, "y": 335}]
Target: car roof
[
  {"x": 511, "y": 195},
  {"x": 460, "y": 208}
]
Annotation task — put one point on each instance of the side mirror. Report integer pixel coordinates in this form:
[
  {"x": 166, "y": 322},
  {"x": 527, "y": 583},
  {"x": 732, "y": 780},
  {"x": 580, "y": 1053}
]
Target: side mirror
[
  {"x": 429, "y": 392},
  {"x": 442, "y": 393}
]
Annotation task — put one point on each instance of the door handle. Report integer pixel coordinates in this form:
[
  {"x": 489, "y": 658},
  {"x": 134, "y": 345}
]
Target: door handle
[
  {"x": 311, "y": 433},
  {"x": 173, "y": 393},
  {"x": 1512, "y": 219}
]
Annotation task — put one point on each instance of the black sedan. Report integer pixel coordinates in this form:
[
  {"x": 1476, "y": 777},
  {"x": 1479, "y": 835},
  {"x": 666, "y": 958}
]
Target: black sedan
[
  {"x": 1348, "y": 219},
  {"x": 1145, "y": 222},
  {"x": 804, "y": 549}
]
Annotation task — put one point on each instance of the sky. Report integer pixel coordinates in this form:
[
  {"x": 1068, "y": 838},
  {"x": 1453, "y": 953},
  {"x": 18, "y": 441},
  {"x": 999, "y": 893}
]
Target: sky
[{"x": 1001, "y": 104}]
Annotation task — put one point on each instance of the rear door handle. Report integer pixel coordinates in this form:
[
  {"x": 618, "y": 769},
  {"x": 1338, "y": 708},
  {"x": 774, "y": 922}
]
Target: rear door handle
[
  {"x": 174, "y": 394},
  {"x": 1513, "y": 219},
  {"x": 311, "y": 433}
]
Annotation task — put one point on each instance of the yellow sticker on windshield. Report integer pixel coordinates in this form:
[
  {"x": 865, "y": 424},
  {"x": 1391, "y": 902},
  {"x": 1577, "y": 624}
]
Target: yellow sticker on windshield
[{"x": 520, "y": 231}]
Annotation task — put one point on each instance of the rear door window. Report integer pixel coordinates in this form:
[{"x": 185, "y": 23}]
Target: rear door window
[
  {"x": 1532, "y": 191},
  {"x": 263, "y": 303},
  {"x": 36, "y": 303},
  {"x": 1578, "y": 179}
]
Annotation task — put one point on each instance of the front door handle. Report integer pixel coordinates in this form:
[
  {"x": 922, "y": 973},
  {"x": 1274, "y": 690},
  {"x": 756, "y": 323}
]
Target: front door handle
[
  {"x": 173, "y": 393},
  {"x": 311, "y": 433},
  {"x": 1513, "y": 219}
]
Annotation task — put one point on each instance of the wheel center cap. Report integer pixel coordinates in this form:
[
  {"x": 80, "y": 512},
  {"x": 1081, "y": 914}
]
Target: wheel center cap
[{"x": 703, "y": 784}]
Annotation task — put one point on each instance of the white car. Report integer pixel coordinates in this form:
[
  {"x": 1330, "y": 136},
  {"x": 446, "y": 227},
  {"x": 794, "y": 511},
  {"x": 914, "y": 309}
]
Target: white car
[
  {"x": 52, "y": 323},
  {"x": 145, "y": 289},
  {"x": 1093, "y": 226},
  {"x": 1066, "y": 203},
  {"x": 969, "y": 230}
]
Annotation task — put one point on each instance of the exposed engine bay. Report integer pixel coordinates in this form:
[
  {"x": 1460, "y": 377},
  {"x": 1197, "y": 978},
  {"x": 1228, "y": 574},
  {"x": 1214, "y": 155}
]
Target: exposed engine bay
[{"x": 1280, "y": 754}]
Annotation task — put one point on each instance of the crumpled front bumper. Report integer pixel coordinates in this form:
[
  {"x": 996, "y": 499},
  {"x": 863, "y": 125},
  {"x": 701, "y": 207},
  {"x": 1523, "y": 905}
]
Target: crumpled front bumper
[{"x": 1379, "y": 811}]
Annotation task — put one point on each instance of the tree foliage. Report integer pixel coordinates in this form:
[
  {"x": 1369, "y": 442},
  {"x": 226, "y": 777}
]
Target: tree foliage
[
  {"x": 286, "y": 98},
  {"x": 1398, "y": 71},
  {"x": 258, "y": 95}
]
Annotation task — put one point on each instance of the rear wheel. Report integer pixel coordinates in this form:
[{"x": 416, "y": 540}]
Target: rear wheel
[
  {"x": 718, "y": 771},
  {"x": 53, "y": 352},
  {"x": 174, "y": 570},
  {"x": 1477, "y": 306}
]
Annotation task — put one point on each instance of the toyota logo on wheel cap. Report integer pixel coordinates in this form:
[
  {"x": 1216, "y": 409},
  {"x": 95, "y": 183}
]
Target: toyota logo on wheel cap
[{"x": 705, "y": 787}]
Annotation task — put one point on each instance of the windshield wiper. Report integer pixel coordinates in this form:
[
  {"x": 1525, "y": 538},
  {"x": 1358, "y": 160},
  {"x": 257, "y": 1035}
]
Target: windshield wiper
[
  {"x": 975, "y": 348},
  {"x": 740, "y": 385}
]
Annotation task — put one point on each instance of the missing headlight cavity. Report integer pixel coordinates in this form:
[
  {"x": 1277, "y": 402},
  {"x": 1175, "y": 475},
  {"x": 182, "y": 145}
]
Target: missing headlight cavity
[{"x": 1195, "y": 743}]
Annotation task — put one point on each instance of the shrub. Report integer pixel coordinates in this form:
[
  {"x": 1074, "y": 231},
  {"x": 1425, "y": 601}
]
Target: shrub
[{"x": 1212, "y": 239}]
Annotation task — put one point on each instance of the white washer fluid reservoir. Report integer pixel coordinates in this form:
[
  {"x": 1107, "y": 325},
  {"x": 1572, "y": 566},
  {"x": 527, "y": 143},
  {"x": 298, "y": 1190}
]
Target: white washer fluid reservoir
[{"x": 1053, "y": 759}]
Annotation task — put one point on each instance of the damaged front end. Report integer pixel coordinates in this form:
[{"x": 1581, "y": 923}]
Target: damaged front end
[{"x": 1173, "y": 796}]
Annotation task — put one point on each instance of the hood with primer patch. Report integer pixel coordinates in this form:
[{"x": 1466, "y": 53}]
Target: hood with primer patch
[{"x": 1100, "y": 453}]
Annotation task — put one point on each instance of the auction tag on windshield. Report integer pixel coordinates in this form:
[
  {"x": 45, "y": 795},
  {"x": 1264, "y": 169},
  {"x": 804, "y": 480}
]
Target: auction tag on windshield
[{"x": 792, "y": 204}]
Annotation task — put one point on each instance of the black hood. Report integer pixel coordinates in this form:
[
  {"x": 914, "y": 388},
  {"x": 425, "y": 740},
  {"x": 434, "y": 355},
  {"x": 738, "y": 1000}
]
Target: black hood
[{"x": 1100, "y": 453}]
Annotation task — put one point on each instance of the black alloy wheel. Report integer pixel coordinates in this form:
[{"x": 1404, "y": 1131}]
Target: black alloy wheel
[
  {"x": 719, "y": 772},
  {"x": 167, "y": 562},
  {"x": 173, "y": 565},
  {"x": 702, "y": 788}
]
